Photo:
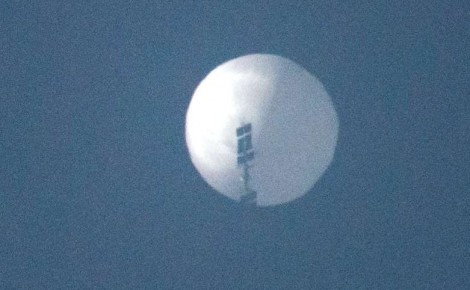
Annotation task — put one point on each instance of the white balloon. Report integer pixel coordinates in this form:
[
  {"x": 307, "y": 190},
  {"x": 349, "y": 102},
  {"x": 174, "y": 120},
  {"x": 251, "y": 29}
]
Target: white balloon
[{"x": 294, "y": 128}]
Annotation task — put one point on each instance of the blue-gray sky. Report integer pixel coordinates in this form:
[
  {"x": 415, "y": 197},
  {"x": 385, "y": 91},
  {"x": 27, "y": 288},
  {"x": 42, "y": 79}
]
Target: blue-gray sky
[{"x": 97, "y": 188}]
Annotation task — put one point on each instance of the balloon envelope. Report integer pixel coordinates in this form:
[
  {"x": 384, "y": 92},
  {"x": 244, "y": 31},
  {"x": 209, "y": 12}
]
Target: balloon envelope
[{"x": 294, "y": 128}]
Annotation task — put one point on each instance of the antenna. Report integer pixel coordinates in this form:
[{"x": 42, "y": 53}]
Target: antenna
[{"x": 245, "y": 155}]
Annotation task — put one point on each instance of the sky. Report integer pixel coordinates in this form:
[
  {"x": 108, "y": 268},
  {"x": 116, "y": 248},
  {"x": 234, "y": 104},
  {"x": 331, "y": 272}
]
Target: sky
[{"x": 97, "y": 189}]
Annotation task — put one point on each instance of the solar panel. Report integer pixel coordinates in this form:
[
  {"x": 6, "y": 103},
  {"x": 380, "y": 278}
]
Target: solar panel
[
  {"x": 242, "y": 159},
  {"x": 245, "y": 129},
  {"x": 245, "y": 154},
  {"x": 244, "y": 144}
]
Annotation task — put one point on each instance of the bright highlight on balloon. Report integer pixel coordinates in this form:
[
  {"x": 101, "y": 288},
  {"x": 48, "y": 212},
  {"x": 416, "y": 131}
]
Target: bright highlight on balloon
[{"x": 261, "y": 129}]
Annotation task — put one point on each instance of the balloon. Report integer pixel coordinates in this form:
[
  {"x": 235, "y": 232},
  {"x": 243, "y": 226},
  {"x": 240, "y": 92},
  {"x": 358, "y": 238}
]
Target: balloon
[{"x": 264, "y": 123}]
